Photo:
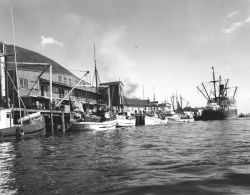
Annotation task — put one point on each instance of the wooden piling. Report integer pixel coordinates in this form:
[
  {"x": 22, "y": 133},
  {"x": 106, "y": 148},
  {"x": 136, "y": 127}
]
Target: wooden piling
[
  {"x": 52, "y": 123},
  {"x": 63, "y": 122}
]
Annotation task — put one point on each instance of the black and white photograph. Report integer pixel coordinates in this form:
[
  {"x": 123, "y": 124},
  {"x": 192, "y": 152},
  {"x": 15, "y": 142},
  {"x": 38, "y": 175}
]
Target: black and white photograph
[{"x": 125, "y": 97}]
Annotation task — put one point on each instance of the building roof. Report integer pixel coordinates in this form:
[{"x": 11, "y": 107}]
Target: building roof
[
  {"x": 164, "y": 104},
  {"x": 136, "y": 103},
  {"x": 112, "y": 83},
  {"x": 25, "y": 55}
]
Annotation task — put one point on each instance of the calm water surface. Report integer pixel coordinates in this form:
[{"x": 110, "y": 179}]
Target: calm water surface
[{"x": 199, "y": 158}]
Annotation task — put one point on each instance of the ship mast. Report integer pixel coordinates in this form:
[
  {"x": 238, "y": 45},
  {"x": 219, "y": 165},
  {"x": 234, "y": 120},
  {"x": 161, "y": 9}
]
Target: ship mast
[
  {"x": 96, "y": 82},
  {"x": 214, "y": 84}
]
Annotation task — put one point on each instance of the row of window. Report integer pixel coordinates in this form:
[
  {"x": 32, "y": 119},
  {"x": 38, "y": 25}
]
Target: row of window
[{"x": 65, "y": 81}]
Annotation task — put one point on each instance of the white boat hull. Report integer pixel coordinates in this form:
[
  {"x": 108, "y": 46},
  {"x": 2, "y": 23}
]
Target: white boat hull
[
  {"x": 177, "y": 119},
  {"x": 155, "y": 121},
  {"x": 123, "y": 122},
  {"x": 33, "y": 126},
  {"x": 100, "y": 126}
]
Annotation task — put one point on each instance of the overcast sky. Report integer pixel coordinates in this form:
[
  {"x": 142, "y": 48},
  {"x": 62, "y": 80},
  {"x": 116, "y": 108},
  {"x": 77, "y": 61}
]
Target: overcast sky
[{"x": 165, "y": 46}]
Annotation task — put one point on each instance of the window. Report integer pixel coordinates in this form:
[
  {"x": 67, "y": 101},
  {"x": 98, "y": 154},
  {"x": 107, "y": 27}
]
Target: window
[
  {"x": 70, "y": 82},
  {"x": 65, "y": 80},
  {"x": 23, "y": 83},
  {"x": 60, "y": 79}
]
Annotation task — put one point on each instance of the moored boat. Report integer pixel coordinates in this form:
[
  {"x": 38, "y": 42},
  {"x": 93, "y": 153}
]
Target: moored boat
[
  {"x": 176, "y": 118},
  {"x": 97, "y": 121},
  {"x": 178, "y": 115},
  {"x": 221, "y": 106},
  {"x": 83, "y": 125},
  {"x": 155, "y": 120},
  {"x": 30, "y": 123},
  {"x": 125, "y": 121},
  {"x": 35, "y": 123}
]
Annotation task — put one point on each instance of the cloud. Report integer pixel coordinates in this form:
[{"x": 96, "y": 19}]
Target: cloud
[
  {"x": 130, "y": 87},
  {"x": 248, "y": 19},
  {"x": 236, "y": 25},
  {"x": 232, "y": 14},
  {"x": 233, "y": 27},
  {"x": 49, "y": 41},
  {"x": 115, "y": 63}
]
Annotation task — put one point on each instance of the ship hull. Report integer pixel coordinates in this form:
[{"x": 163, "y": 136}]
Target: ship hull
[{"x": 219, "y": 114}]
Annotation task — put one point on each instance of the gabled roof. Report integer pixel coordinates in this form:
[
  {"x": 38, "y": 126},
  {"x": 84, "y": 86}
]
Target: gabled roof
[
  {"x": 25, "y": 55},
  {"x": 136, "y": 103}
]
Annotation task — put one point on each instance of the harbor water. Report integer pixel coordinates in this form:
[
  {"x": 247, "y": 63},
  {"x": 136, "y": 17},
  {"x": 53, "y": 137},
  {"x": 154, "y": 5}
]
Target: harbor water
[{"x": 193, "y": 158}]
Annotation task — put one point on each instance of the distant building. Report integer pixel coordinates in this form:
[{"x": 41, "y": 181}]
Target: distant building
[
  {"x": 136, "y": 105},
  {"x": 165, "y": 107}
]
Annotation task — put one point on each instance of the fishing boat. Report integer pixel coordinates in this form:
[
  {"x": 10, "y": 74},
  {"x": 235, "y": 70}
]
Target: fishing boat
[
  {"x": 220, "y": 105},
  {"x": 177, "y": 118},
  {"x": 82, "y": 124},
  {"x": 178, "y": 115},
  {"x": 101, "y": 120},
  {"x": 31, "y": 123},
  {"x": 125, "y": 120},
  {"x": 154, "y": 119},
  {"x": 10, "y": 125}
]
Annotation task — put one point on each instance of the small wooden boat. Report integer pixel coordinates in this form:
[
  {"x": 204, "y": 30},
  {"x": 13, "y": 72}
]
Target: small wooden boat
[{"x": 32, "y": 123}]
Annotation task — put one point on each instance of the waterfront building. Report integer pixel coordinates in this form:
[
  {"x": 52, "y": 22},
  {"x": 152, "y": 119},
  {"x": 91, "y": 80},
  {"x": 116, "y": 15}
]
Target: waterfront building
[
  {"x": 133, "y": 105},
  {"x": 112, "y": 94},
  {"x": 34, "y": 86}
]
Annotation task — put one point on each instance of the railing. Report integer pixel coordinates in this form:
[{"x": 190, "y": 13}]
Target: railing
[
  {"x": 58, "y": 96},
  {"x": 54, "y": 95},
  {"x": 83, "y": 100}
]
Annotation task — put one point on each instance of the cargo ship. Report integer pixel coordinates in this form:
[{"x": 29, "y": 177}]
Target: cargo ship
[{"x": 221, "y": 104}]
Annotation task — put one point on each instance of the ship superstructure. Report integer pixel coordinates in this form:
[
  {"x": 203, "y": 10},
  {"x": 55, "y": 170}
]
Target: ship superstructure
[{"x": 220, "y": 103}]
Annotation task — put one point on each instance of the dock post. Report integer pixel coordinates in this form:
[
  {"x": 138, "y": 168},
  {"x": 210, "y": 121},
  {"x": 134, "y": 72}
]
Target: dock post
[
  {"x": 52, "y": 122},
  {"x": 63, "y": 122}
]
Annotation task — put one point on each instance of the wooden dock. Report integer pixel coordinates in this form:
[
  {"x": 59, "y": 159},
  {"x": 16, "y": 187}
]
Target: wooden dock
[{"x": 56, "y": 120}]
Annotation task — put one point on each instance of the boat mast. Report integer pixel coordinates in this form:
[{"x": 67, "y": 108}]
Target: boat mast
[
  {"x": 235, "y": 92},
  {"x": 181, "y": 101},
  {"x": 208, "y": 98},
  {"x": 214, "y": 84},
  {"x": 96, "y": 82},
  {"x": 202, "y": 93},
  {"x": 226, "y": 87},
  {"x": 17, "y": 82}
]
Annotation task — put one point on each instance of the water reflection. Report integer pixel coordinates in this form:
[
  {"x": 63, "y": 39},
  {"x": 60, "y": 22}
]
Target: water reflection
[{"x": 7, "y": 157}]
